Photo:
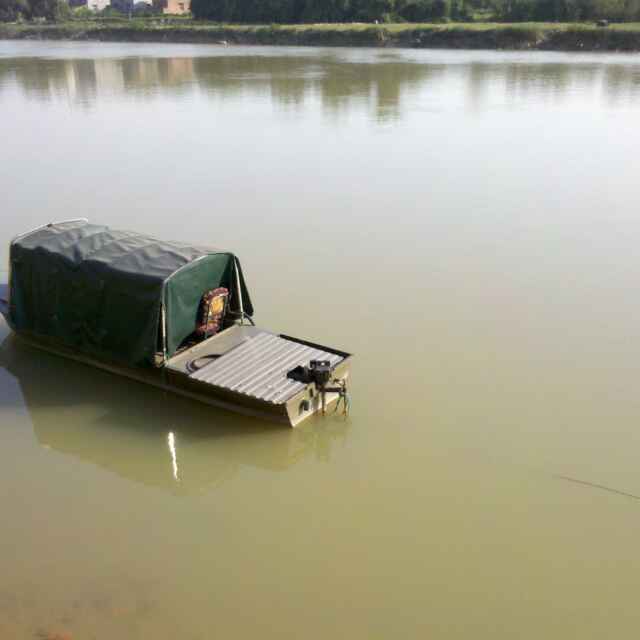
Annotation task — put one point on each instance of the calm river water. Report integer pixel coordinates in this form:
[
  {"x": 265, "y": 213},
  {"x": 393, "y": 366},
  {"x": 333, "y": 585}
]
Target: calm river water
[{"x": 465, "y": 222}]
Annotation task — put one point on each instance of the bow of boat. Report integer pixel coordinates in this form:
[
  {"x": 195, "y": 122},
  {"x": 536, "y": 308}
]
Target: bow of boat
[{"x": 4, "y": 299}]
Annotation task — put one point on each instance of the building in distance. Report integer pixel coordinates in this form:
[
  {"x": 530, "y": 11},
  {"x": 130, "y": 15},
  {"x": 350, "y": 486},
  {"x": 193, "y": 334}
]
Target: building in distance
[{"x": 172, "y": 7}]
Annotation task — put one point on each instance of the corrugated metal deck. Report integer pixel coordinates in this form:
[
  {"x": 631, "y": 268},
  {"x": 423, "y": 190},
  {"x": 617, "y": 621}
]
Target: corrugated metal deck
[{"x": 259, "y": 366}]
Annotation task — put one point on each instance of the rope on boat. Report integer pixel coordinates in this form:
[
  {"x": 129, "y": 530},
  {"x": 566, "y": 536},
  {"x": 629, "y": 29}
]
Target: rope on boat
[
  {"x": 243, "y": 315},
  {"x": 197, "y": 363},
  {"x": 249, "y": 318}
]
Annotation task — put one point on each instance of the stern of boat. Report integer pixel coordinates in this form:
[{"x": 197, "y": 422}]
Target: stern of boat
[{"x": 261, "y": 373}]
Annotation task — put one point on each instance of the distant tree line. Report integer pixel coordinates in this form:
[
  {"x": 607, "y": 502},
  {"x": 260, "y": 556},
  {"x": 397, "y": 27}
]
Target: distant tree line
[
  {"x": 307, "y": 11},
  {"x": 60, "y": 10},
  {"x": 30, "y": 9},
  {"x": 566, "y": 10},
  {"x": 301, "y": 11}
]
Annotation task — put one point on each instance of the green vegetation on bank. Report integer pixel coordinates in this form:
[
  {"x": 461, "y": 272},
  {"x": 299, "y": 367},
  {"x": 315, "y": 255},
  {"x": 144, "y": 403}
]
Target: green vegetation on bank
[
  {"x": 548, "y": 36},
  {"x": 387, "y": 11}
]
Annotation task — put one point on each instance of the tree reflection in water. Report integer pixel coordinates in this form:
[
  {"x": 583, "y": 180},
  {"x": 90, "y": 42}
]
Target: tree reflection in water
[{"x": 379, "y": 82}]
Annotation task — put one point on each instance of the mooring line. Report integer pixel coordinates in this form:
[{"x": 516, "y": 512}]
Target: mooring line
[{"x": 598, "y": 486}]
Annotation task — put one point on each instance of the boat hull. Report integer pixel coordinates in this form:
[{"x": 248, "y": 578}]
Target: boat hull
[{"x": 292, "y": 412}]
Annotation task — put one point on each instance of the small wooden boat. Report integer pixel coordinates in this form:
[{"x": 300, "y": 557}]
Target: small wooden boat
[
  {"x": 175, "y": 316},
  {"x": 90, "y": 410}
]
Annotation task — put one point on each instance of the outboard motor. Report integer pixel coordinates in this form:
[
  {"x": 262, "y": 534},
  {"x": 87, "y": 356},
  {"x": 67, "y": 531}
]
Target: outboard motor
[{"x": 319, "y": 372}]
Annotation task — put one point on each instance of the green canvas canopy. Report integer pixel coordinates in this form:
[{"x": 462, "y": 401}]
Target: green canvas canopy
[{"x": 104, "y": 293}]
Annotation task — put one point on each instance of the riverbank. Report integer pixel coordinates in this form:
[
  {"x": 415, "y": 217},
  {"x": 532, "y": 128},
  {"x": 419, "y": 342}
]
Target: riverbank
[{"x": 518, "y": 36}]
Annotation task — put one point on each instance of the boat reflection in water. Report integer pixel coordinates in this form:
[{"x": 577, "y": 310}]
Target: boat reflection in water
[{"x": 149, "y": 436}]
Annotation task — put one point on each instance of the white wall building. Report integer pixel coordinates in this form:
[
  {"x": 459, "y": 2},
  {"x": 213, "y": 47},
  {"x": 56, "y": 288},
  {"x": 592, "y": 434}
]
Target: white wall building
[{"x": 98, "y": 5}]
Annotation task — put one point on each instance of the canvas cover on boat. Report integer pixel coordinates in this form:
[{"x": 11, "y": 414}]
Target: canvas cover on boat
[{"x": 100, "y": 291}]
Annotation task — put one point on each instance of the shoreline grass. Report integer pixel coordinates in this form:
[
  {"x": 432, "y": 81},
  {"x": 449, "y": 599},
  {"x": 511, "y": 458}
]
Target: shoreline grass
[{"x": 458, "y": 35}]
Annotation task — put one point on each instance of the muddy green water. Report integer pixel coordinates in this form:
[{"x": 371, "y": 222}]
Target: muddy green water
[{"x": 465, "y": 222}]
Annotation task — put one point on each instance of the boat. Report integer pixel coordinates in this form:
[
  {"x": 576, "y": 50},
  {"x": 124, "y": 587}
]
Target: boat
[
  {"x": 172, "y": 315},
  {"x": 154, "y": 439}
]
